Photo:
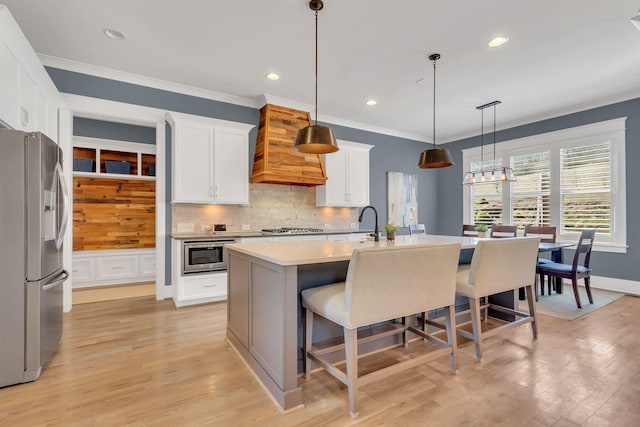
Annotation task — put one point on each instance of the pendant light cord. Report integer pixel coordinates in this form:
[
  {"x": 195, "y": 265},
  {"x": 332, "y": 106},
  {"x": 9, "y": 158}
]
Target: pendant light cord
[
  {"x": 494, "y": 136},
  {"x": 482, "y": 139},
  {"x": 434, "y": 103},
  {"x": 316, "y": 94}
]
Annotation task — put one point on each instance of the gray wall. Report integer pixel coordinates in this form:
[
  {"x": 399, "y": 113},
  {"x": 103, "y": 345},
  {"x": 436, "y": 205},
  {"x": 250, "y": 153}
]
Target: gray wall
[
  {"x": 448, "y": 217},
  {"x": 440, "y": 191},
  {"x": 389, "y": 154},
  {"x": 111, "y": 130}
]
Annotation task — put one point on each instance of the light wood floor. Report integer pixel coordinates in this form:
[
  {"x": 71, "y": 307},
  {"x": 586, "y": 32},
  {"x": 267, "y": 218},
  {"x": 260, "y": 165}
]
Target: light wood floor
[
  {"x": 112, "y": 292},
  {"x": 139, "y": 362}
]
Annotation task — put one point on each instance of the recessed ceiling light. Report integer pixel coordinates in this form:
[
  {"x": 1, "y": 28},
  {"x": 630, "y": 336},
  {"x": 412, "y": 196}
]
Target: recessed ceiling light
[
  {"x": 113, "y": 34},
  {"x": 372, "y": 102},
  {"x": 498, "y": 41},
  {"x": 272, "y": 76}
]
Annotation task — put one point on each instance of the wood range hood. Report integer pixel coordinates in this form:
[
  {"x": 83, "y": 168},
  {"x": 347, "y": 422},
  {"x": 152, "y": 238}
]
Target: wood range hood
[{"x": 275, "y": 160}]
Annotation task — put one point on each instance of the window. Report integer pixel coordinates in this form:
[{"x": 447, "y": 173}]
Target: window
[
  {"x": 531, "y": 193},
  {"x": 487, "y": 198},
  {"x": 573, "y": 179},
  {"x": 585, "y": 187}
]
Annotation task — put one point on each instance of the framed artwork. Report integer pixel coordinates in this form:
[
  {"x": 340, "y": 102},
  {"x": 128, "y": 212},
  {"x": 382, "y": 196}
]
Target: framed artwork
[{"x": 402, "y": 198}]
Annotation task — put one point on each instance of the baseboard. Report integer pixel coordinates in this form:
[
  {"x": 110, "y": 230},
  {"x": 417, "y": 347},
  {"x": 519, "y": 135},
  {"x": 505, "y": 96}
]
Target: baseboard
[{"x": 630, "y": 287}]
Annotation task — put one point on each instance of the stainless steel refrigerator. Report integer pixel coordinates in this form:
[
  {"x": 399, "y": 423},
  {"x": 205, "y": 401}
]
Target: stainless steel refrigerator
[{"x": 34, "y": 210}]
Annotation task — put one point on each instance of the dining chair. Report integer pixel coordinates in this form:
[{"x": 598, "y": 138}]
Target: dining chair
[
  {"x": 501, "y": 231},
  {"x": 469, "y": 230},
  {"x": 384, "y": 284},
  {"x": 578, "y": 269},
  {"x": 417, "y": 229},
  {"x": 547, "y": 234},
  {"x": 497, "y": 266}
]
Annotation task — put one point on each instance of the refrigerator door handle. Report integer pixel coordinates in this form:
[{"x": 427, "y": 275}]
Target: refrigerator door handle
[
  {"x": 65, "y": 204},
  {"x": 65, "y": 276}
]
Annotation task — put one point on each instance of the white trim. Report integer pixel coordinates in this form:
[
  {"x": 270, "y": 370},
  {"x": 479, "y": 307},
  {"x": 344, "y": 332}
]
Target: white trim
[
  {"x": 112, "y": 144},
  {"x": 351, "y": 144},
  {"x": 542, "y": 139},
  {"x": 614, "y": 130},
  {"x": 172, "y": 117},
  {"x": 83, "y": 106},
  {"x": 602, "y": 102},
  {"x": 283, "y": 102},
  {"x": 259, "y": 102},
  {"x": 631, "y": 287},
  {"x": 65, "y": 133}
]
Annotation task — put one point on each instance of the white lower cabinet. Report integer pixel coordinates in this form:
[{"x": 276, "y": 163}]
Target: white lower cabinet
[
  {"x": 112, "y": 267},
  {"x": 200, "y": 288},
  {"x": 197, "y": 288}
]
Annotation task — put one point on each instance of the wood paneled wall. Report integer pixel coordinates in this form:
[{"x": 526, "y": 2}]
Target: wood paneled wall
[{"x": 113, "y": 213}]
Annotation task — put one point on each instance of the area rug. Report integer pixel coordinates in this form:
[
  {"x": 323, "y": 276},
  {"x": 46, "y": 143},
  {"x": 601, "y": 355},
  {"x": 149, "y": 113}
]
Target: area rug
[{"x": 564, "y": 305}]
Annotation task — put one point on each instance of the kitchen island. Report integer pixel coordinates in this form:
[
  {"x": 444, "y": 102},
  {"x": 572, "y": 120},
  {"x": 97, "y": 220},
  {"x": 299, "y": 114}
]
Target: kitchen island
[{"x": 264, "y": 318}]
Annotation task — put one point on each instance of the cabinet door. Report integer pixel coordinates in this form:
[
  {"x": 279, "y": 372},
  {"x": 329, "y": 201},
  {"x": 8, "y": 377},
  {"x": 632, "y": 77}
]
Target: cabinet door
[
  {"x": 333, "y": 193},
  {"x": 192, "y": 160},
  {"x": 9, "y": 87},
  {"x": 83, "y": 270},
  {"x": 28, "y": 96},
  {"x": 358, "y": 177},
  {"x": 52, "y": 117},
  {"x": 42, "y": 110},
  {"x": 231, "y": 167},
  {"x": 116, "y": 267}
]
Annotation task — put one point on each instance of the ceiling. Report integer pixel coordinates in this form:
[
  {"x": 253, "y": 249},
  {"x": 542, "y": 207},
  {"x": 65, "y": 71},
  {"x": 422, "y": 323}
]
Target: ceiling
[{"x": 562, "y": 56}]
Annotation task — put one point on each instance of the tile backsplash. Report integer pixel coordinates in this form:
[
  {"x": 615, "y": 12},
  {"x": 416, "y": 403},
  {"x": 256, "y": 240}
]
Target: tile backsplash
[{"x": 271, "y": 206}]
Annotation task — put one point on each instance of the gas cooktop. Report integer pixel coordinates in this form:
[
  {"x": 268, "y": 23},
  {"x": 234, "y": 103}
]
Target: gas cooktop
[{"x": 292, "y": 230}]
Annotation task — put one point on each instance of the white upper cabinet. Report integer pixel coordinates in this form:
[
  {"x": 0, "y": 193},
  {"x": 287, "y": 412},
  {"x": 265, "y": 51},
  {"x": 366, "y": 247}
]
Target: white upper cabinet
[
  {"x": 210, "y": 160},
  {"x": 9, "y": 87},
  {"x": 29, "y": 100},
  {"x": 347, "y": 176}
]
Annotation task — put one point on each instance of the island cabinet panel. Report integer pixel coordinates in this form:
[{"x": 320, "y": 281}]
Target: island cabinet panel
[
  {"x": 266, "y": 342},
  {"x": 238, "y": 306}
]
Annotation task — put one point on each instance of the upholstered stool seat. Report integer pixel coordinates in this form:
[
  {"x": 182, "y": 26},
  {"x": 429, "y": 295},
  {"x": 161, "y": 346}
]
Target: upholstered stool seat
[
  {"x": 383, "y": 284},
  {"x": 498, "y": 265}
]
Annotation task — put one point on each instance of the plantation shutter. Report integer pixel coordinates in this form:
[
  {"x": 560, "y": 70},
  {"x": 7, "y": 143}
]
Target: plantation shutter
[
  {"x": 531, "y": 193},
  {"x": 486, "y": 198},
  {"x": 585, "y": 188}
]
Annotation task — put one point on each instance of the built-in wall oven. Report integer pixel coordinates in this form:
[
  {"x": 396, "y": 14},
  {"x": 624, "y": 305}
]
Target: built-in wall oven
[{"x": 202, "y": 256}]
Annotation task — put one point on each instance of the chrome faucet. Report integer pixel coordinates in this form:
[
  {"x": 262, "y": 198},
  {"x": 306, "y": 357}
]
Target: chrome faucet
[{"x": 376, "y": 232}]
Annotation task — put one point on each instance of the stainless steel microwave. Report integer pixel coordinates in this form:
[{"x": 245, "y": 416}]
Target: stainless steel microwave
[{"x": 201, "y": 256}]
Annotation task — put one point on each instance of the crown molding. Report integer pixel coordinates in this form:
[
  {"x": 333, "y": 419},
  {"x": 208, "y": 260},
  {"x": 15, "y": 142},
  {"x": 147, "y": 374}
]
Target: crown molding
[
  {"x": 601, "y": 102},
  {"x": 122, "y": 76}
]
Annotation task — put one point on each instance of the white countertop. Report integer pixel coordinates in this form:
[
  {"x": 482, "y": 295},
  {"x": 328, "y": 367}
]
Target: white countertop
[
  {"x": 321, "y": 251},
  {"x": 239, "y": 234}
]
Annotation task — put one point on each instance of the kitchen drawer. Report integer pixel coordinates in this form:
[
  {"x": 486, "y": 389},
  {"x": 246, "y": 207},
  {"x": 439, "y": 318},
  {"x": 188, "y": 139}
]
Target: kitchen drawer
[
  {"x": 83, "y": 270},
  {"x": 117, "y": 267},
  {"x": 203, "y": 286}
]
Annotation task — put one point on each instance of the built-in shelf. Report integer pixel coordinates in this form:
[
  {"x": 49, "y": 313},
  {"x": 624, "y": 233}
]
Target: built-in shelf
[{"x": 115, "y": 159}]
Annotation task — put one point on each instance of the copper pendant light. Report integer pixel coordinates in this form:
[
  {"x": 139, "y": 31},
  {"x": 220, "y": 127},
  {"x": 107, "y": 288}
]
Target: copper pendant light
[
  {"x": 435, "y": 157},
  {"x": 316, "y": 139}
]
